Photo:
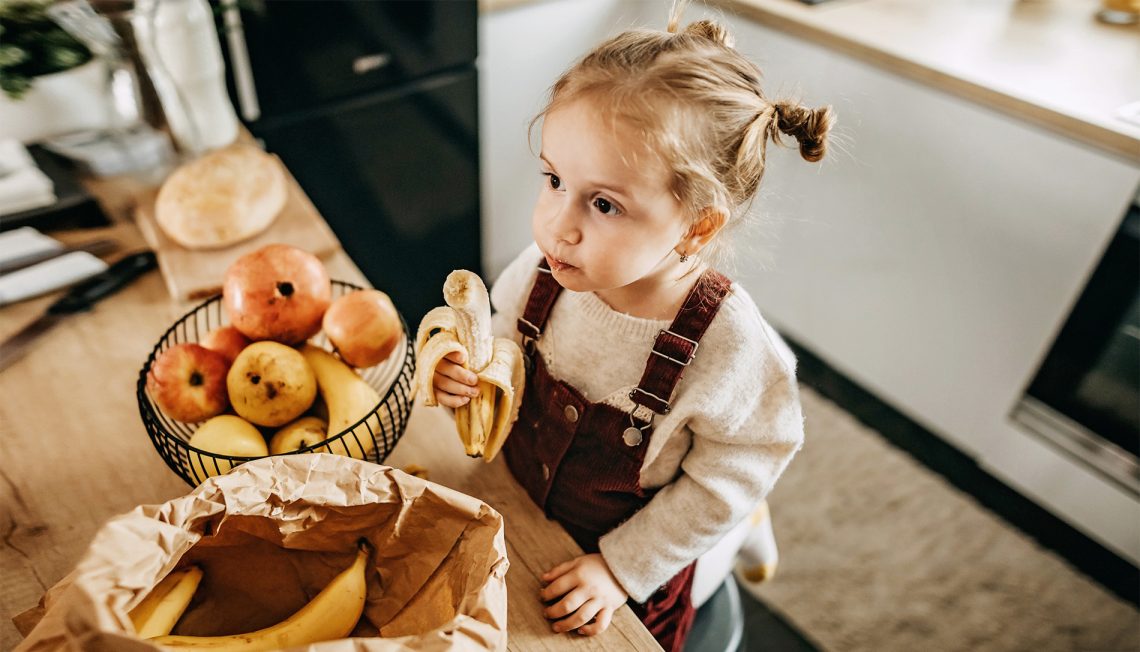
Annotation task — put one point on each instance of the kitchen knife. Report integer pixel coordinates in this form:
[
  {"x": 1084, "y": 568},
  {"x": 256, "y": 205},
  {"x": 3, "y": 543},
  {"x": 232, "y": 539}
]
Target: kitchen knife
[
  {"x": 99, "y": 247},
  {"x": 79, "y": 299}
]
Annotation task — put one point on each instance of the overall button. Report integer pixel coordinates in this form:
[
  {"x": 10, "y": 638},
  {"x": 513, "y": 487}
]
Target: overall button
[
  {"x": 545, "y": 472},
  {"x": 632, "y": 437},
  {"x": 571, "y": 413}
]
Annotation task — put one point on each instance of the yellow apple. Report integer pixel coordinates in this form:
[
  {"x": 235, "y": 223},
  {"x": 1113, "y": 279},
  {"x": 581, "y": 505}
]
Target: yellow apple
[
  {"x": 303, "y": 432},
  {"x": 271, "y": 384},
  {"x": 225, "y": 434}
]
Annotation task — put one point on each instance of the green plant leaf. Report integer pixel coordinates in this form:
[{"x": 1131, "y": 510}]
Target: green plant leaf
[
  {"x": 12, "y": 55},
  {"x": 15, "y": 85}
]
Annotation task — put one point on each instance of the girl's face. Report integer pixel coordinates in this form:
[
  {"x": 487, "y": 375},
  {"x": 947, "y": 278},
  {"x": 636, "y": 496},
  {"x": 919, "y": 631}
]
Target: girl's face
[{"x": 601, "y": 222}]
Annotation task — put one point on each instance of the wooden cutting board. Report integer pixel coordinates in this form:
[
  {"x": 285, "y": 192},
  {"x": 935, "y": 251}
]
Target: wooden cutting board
[{"x": 194, "y": 274}]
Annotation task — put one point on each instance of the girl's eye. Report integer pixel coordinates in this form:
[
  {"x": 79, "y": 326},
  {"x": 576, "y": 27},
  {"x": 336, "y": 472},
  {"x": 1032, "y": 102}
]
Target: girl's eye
[
  {"x": 605, "y": 207},
  {"x": 554, "y": 181}
]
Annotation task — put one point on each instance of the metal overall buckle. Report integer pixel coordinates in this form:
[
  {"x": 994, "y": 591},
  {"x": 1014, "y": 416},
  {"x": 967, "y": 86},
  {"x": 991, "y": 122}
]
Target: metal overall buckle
[
  {"x": 683, "y": 363},
  {"x": 633, "y": 435},
  {"x": 530, "y": 343}
]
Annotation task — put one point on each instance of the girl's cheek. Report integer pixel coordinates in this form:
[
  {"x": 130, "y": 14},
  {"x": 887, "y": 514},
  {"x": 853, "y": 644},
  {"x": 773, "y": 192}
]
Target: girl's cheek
[{"x": 544, "y": 207}]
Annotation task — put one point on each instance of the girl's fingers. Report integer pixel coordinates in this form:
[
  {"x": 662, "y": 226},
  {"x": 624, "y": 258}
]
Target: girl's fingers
[
  {"x": 451, "y": 386},
  {"x": 558, "y": 570},
  {"x": 456, "y": 372},
  {"x": 601, "y": 622},
  {"x": 558, "y": 588},
  {"x": 567, "y": 605},
  {"x": 450, "y": 400},
  {"x": 575, "y": 620}
]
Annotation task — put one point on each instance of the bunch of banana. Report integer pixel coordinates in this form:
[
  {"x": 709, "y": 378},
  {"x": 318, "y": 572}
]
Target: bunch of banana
[
  {"x": 158, "y": 612},
  {"x": 464, "y": 324},
  {"x": 332, "y": 614},
  {"x": 348, "y": 398}
]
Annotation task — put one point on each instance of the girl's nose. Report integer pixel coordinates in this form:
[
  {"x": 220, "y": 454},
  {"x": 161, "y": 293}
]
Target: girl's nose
[{"x": 564, "y": 224}]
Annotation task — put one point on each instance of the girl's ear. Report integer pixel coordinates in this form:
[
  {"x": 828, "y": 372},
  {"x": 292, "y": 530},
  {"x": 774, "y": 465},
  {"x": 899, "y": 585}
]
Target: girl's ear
[{"x": 708, "y": 224}]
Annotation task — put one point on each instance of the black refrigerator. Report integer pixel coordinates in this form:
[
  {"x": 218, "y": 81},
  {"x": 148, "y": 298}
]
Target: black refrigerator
[{"x": 373, "y": 108}]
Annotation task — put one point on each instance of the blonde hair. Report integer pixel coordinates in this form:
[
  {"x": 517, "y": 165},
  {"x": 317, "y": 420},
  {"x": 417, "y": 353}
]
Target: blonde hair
[{"x": 697, "y": 104}]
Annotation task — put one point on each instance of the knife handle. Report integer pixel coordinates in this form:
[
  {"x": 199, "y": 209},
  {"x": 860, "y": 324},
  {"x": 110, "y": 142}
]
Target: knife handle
[{"x": 86, "y": 294}]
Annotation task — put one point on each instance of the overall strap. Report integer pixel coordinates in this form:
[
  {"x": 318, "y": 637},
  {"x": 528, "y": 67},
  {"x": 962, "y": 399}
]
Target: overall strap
[
  {"x": 538, "y": 305},
  {"x": 676, "y": 347}
]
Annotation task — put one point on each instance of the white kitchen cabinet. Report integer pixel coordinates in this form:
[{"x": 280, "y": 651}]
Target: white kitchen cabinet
[{"x": 933, "y": 257}]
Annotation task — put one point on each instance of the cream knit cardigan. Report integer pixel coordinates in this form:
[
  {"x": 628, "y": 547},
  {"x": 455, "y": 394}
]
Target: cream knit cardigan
[{"x": 734, "y": 425}]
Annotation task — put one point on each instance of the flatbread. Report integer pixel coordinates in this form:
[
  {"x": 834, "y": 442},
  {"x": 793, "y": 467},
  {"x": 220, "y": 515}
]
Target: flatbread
[{"x": 227, "y": 196}]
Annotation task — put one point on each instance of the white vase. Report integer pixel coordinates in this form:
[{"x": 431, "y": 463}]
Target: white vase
[{"x": 71, "y": 100}]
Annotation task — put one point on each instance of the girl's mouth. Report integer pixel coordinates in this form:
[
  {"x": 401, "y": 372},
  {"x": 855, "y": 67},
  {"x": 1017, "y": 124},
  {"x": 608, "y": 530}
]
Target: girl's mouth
[{"x": 557, "y": 265}]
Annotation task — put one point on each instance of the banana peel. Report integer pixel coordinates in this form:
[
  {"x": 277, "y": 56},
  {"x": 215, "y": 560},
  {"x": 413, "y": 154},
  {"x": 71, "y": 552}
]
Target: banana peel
[{"x": 464, "y": 325}]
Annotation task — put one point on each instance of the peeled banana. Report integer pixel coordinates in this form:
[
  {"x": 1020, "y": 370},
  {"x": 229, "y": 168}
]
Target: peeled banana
[
  {"x": 348, "y": 398},
  {"x": 464, "y": 324},
  {"x": 160, "y": 610},
  {"x": 332, "y": 614}
]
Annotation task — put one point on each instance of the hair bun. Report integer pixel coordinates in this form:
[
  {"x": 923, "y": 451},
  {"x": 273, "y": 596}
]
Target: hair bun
[
  {"x": 808, "y": 126},
  {"x": 710, "y": 30}
]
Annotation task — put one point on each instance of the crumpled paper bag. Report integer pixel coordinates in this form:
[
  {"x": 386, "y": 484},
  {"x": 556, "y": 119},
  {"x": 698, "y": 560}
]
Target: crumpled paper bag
[{"x": 269, "y": 535}]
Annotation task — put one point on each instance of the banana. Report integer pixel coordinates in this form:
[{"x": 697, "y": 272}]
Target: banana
[
  {"x": 349, "y": 398},
  {"x": 464, "y": 324},
  {"x": 332, "y": 614},
  {"x": 158, "y": 612},
  {"x": 466, "y": 294}
]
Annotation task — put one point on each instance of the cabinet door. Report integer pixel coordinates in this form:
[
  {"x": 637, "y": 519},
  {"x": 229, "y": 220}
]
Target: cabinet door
[
  {"x": 396, "y": 177},
  {"x": 306, "y": 53}
]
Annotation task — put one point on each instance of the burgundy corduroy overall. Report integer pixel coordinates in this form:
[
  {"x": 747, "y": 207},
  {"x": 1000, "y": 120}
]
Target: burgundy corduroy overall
[{"x": 581, "y": 461}]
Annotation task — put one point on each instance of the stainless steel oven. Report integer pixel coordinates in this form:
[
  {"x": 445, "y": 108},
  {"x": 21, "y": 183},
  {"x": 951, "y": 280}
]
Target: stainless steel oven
[{"x": 1085, "y": 398}]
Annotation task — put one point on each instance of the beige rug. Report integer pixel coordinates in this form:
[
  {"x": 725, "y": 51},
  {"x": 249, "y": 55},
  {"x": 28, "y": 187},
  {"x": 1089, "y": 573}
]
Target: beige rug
[{"x": 877, "y": 553}]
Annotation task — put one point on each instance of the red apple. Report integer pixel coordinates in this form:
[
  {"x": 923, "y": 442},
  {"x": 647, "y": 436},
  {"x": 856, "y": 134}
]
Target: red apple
[
  {"x": 226, "y": 340},
  {"x": 277, "y": 293},
  {"x": 364, "y": 327},
  {"x": 188, "y": 382}
]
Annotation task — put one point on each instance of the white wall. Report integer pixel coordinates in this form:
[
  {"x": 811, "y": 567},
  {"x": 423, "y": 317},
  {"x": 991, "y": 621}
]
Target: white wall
[{"x": 931, "y": 257}]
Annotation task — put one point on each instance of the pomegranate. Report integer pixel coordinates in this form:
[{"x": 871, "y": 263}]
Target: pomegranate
[{"x": 278, "y": 293}]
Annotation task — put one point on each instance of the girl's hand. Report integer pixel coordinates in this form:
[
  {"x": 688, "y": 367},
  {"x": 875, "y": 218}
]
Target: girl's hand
[
  {"x": 454, "y": 385},
  {"x": 590, "y": 594}
]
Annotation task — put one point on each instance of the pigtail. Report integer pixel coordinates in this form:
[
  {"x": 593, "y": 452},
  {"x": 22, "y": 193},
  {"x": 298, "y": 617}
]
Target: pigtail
[
  {"x": 808, "y": 126},
  {"x": 705, "y": 29},
  {"x": 710, "y": 30},
  {"x": 750, "y": 154}
]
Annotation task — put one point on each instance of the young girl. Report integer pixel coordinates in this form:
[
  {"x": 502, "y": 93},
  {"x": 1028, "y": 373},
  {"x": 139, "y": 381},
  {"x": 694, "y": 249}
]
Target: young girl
[{"x": 651, "y": 145}]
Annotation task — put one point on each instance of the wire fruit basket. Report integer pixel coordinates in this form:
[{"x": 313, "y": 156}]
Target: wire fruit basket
[{"x": 371, "y": 438}]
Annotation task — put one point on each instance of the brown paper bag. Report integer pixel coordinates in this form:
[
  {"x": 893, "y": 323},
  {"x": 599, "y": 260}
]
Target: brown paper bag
[{"x": 270, "y": 535}]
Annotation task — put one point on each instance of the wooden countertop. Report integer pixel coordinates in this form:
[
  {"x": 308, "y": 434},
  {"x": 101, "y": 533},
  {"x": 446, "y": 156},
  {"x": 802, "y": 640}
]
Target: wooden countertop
[
  {"x": 74, "y": 453},
  {"x": 1048, "y": 62}
]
